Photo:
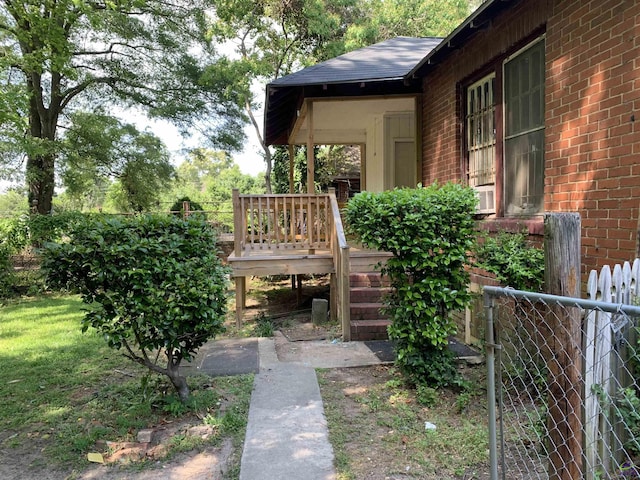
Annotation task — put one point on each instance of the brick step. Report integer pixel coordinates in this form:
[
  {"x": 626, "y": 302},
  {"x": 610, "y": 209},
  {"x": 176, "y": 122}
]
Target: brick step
[
  {"x": 363, "y": 330},
  {"x": 368, "y": 294},
  {"x": 370, "y": 279},
  {"x": 366, "y": 311}
]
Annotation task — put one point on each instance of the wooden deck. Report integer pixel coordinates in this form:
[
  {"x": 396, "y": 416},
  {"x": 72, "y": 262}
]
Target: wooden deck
[{"x": 295, "y": 235}]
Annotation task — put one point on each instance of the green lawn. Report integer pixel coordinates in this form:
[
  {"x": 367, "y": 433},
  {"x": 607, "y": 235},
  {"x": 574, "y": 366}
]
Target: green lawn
[{"x": 64, "y": 390}]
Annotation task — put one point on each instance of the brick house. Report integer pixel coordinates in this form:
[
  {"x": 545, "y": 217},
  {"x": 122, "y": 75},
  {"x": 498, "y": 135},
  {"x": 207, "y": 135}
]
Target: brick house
[{"x": 536, "y": 104}]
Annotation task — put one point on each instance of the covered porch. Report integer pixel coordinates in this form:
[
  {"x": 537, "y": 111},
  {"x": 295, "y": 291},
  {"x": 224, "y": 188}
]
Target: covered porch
[
  {"x": 296, "y": 235},
  {"x": 363, "y": 98}
]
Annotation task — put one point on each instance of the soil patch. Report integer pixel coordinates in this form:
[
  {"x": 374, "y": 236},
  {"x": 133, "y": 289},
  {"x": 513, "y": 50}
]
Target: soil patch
[{"x": 378, "y": 427}]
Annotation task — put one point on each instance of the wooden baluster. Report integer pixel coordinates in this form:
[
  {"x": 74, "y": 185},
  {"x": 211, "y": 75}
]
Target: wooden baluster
[
  {"x": 293, "y": 221},
  {"x": 309, "y": 222},
  {"x": 285, "y": 220}
]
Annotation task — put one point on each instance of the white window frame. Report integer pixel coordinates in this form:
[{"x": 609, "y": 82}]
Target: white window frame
[{"x": 480, "y": 131}]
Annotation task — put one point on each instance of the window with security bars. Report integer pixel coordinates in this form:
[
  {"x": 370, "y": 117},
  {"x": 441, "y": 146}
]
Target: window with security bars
[
  {"x": 524, "y": 132},
  {"x": 481, "y": 140},
  {"x": 481, "y": 132}
]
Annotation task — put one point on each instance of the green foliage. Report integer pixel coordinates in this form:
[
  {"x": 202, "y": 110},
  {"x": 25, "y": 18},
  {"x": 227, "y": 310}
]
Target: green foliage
[
  {"x": 383, "y": 19},
  {"x": 514, "y": 260},
  {"x": 426, "y": 395},
  {"x": 220, "y": 190},
  {"x": 13, "y": 202},
  {"x": 98, "y": 149},
  {"x": 264, "y": 326},
  {"x": 628, "y": 411},
  {"x": 429, "y": 231},
  {"x": 330, "y": 161},
  {"x": 150, "y": 284},
  {"x": 178, "y": 207},
  {"x": 148, "y": 53},
  {"x": 6, "y": 272},
  {"x": 18, "y": 233}
]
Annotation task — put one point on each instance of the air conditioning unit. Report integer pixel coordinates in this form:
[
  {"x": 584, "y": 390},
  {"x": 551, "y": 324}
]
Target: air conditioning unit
[{"x": 487, "y": 197}]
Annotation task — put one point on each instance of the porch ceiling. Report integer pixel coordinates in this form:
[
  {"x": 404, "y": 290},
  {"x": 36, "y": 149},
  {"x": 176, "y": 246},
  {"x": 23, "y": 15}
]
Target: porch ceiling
[{"x": 344, "y": 121}]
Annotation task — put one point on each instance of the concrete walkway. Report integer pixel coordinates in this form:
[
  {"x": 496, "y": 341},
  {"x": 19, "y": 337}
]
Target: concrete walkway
[{"x": 287, "y": 436}]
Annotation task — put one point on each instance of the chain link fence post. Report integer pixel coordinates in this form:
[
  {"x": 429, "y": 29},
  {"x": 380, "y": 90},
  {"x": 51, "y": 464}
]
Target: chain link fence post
[{"x": 491, "y": 386}]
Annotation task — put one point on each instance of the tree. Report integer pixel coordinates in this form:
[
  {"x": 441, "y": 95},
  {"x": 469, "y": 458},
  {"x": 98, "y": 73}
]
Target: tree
[
  {"x": 153, "y": 286},
  {"x": 13, "y": 203},
  {"x": 330, "y": 161},
  {"x": 98, "y": 149},
  {"x": 220, "y": 191},
  {"x": 384, "y": 19},
  {"x": 274, "y": 37},
  {"x": 58, "y": 54},
  {"x": 201, "y": 167}
]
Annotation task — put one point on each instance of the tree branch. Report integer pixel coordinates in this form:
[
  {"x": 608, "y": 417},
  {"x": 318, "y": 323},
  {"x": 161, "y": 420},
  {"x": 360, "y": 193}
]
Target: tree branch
[
  {"x": 70, "y": 93},
  {"x": 143, "y": 360}
]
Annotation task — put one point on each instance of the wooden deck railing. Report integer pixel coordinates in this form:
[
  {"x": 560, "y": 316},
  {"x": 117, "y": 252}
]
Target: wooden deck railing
[
  {"x": 278, "y": 222},
  {"x": 270, "y": 223}
]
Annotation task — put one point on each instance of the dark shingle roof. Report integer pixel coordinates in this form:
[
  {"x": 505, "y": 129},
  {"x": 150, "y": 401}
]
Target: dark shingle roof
[
  {"x": 391, "y": 59},
  {"x": 378, "y": 69}
]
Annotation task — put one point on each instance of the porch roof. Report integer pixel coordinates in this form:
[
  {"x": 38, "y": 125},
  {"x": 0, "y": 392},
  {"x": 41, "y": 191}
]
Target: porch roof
[{"x": 379, "y": 69}]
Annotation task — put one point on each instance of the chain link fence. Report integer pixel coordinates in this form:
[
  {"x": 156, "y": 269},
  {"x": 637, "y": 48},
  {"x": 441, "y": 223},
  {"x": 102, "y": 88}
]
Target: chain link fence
[{"x": 564, "y": 387}]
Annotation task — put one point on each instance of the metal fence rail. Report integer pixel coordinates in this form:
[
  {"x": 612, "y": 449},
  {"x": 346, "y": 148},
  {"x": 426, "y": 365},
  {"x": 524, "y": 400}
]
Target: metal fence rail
[{"x": 562, "y": 406}]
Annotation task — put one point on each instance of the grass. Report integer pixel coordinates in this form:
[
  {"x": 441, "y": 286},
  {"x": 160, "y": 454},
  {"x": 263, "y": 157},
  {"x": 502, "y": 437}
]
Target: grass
[
  {"x": 377, "y": 426},
  {"x": 61, "y": 391}
]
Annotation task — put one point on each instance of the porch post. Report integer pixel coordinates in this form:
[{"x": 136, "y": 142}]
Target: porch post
[
  {"x": 291, "y": 165},
  {"x": 241, "y": 282},
  {"x": 241, "y": 296},
  {"x": 311, "y": 188}
]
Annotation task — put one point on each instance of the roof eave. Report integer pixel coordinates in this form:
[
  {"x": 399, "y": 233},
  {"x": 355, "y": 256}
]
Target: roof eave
[{"x": 477, "y": 20}]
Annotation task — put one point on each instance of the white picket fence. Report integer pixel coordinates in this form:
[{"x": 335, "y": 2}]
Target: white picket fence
[{"x": 606, "y": 368}]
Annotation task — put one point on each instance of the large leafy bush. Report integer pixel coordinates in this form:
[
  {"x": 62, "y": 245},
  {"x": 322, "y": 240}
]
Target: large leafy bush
[
  {"x": 513, "y": 259},
  {"x": 24, "y": 234},
  {"x": 430, "y": 232},
  {"x": 153, "y": 285}
]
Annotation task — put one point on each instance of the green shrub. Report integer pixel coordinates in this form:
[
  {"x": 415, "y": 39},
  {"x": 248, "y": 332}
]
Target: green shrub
[
  {"x": 429, "y": 231},
  {"x": 514, "y": 260},
  {"x": 20, "y": 235},
  {"x": 6, "y": 273},
  {"x": 24, "y": 231},
  {"x": 152, "y": 285},
  {"x": 178, "y": 207}
]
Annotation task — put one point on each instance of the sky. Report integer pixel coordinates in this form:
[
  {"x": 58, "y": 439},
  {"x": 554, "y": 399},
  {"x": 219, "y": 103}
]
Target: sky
[{"x": 249, "y": 160}]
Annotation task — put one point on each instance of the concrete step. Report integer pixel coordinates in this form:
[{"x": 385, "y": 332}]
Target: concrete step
[{"x": 364, "y": 330}]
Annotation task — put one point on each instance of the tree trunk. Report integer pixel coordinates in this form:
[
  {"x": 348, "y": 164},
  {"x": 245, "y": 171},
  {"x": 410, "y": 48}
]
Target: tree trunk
[
  {"x": 40, "y": 171},
  {"x": 40, "y": 183},
  {"x": 267, "y": 153},
  {"x": 267, "y": 173},
  {"x": 179, "y": 382}
]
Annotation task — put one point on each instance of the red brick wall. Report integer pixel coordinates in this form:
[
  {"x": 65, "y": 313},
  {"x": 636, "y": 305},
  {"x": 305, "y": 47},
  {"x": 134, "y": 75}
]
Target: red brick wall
[
  {"x": 593, "y": 123},
  {"x": 592, "y": 119}
]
